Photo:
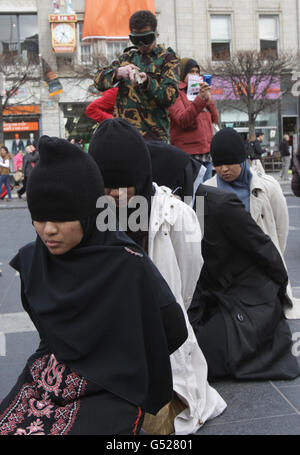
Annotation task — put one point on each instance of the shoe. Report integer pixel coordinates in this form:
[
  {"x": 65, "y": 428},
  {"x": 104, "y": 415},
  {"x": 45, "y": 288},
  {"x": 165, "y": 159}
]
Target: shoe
[{"x": 19, "y": 196}]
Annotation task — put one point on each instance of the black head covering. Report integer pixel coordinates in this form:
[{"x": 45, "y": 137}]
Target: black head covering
[
  {"x": 227, "y": 147},
  {"x": 98, "y": 306},
  {"x": 122, "y": 156},
  {"x": 65, "y": 184},
  {"x": 123, "y": 159},
  {"x": 168, "y": 164},
  {"x": 174, "y": 168}
]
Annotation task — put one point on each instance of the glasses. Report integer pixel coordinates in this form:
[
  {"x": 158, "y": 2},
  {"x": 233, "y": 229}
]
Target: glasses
[{"x": 142, "y": 38}]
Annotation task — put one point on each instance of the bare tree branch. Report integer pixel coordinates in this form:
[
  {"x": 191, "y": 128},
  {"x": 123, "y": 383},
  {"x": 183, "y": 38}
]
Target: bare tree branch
[
  {"x": 17, "y": 71},
  {"x": 252, "y": 76}
]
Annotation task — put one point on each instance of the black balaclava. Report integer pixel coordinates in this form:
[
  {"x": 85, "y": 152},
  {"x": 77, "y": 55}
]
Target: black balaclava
[
  {"x": 65, "y": 184},
  {"x": 227, "y": 147},
  {"x": 123, "y": 159}
]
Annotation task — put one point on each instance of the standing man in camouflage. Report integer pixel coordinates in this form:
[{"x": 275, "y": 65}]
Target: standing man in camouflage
[{"x": 148, "y": 77}]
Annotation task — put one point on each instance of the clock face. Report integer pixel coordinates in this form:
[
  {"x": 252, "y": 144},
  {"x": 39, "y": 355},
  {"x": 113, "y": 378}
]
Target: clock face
[{"x": 63, "y": 33}]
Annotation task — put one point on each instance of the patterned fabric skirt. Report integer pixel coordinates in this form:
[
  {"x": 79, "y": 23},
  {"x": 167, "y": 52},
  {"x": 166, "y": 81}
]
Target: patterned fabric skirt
[{"x": 51, "y": 399}]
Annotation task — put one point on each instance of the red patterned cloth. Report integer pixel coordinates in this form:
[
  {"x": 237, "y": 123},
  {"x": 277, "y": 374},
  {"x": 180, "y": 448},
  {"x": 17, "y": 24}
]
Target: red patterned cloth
[{"x": 50, "y": 399}]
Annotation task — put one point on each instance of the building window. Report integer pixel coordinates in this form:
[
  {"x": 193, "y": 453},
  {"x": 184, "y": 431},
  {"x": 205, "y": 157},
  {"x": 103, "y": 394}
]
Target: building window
[
  {"x": 220, "y": 26},
  {"x": 19, "y": 36},
  {"x": 84, "y": 47},
  {"x": 268, "y": 35},
  {"x": 114, "y": 49}
]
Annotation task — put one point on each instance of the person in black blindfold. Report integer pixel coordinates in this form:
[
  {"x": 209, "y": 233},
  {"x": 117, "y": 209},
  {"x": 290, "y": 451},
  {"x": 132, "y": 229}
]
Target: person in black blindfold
[
  {"x": 106, "y": 318},
  {"x": 171, "y": 235}
]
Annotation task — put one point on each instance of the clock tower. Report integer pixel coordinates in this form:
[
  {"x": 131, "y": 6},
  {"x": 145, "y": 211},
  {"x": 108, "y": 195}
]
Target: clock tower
[{"x": 63, "y": 33}]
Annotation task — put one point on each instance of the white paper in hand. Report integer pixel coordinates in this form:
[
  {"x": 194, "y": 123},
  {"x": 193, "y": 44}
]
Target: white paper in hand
[{"x": 193, "y": 86}]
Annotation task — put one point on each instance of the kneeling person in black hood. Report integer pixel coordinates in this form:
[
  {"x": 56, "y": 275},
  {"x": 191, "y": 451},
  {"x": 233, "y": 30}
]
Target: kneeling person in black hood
[{"x": 101, "y": 308}]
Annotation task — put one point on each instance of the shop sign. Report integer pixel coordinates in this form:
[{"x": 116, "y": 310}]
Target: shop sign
[
  {"x": 223, "y": 89},
  {"x": 20, "y": 126},
  {"x": 22, "y": 109}
]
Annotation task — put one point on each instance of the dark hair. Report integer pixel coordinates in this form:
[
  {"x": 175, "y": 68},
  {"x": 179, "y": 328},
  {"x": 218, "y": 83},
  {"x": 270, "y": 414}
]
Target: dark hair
[
  {"x": 259, "y": 133},
  {"x": 141, "y": 19},
  {"x": 5, "y": 148}
]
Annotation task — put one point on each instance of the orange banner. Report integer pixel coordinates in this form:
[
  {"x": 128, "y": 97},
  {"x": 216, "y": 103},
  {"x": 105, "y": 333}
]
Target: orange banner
[
  {"x": 22, "y": 109},
  {"x": 110, "y": 18},
  {"x": 20, "y": 126}
]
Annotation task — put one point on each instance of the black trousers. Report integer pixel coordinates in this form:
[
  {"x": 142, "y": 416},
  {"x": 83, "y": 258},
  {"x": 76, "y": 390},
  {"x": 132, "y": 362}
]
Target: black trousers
[{"x": 23, "y": 189}]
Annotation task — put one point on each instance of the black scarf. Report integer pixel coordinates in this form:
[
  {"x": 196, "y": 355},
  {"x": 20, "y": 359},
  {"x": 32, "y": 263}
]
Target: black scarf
[{"x": 98, "y": 309}]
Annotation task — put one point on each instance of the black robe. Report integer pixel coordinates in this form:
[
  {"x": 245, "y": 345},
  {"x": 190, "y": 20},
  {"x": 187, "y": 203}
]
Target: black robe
[{"x": 236, "y": 311}]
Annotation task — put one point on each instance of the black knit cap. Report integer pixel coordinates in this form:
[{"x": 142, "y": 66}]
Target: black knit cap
[
  {"x": 227, "y": 147},
  {"x": 122, "y": 155},
  {"x": 186, "y": 64},
  {"x": 65, "y": 184}
]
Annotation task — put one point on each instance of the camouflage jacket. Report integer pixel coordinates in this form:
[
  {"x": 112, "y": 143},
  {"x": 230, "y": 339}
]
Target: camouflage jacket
[{"x": 146, "y": 106}]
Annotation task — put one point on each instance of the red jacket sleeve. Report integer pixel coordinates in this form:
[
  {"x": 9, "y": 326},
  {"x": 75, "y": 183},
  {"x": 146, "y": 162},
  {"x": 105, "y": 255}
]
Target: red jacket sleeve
[
  {"x": 214, "y": 113},
  {"x": 185, "y": 116},
  {"x": 103, "y": 108}
]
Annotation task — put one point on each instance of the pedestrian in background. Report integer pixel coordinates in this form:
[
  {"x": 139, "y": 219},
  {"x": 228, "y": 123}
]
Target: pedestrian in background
[
  {"x": 192, "y": 121},
  {"x": 18, "y": 168},
  {"x": 285, "y": 151},
  {"x": 255, "y": 151},
  {"x": 29, "y": 161},
  {"x": 256, "y": 145},
  {"x": 4, "y": 170},
  {"x": 143, "y": 100},
  {"x": 18, "y": 160}
]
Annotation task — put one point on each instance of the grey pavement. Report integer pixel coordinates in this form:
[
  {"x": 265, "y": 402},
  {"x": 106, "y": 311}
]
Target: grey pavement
[{"x": 253, "y": 407}]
